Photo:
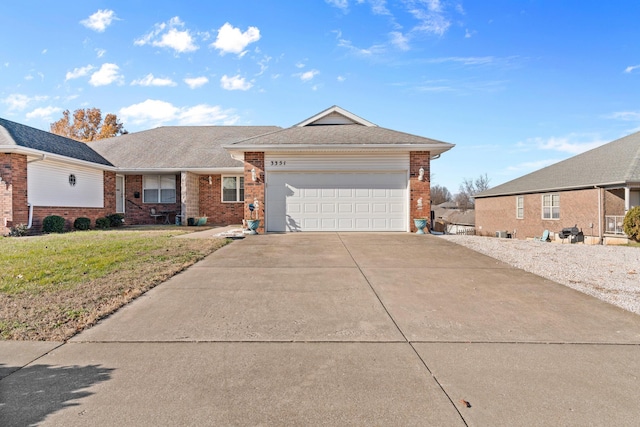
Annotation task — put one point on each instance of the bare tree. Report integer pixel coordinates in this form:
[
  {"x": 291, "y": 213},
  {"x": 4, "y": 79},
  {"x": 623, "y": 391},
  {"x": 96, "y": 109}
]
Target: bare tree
[
  {"x": 470, "y": 188},
  {"x": 87, "y": 125},
  {"x": 440, "y": 194}
]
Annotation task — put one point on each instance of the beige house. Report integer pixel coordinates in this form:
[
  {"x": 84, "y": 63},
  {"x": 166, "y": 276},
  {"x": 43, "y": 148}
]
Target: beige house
[{"x": 591, "y": 191}]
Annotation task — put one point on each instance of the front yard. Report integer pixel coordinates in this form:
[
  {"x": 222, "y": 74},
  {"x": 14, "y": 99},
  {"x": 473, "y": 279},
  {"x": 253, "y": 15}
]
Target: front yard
[{"x": 54, "y": 286}]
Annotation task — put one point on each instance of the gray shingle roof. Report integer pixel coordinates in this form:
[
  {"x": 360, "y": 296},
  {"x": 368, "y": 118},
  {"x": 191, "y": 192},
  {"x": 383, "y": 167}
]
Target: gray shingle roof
[
  {"x": 27, "y": 137},
  {"x": 615, "y": 163},
  {"x": 331, "y": 135},
  {"x": 177, "y": 147}
]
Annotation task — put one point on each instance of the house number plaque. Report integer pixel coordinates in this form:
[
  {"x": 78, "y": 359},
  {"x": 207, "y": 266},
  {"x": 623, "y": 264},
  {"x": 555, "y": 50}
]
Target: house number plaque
[{"x": 278, "y": 162}]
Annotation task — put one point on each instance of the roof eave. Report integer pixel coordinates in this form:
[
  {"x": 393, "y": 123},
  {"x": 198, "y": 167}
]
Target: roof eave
[
  {"x": 435, "y": 149},
  {"x": 552, "y": 189},
  {"x": 198, "y": 170},
  {"x": 17, "y": 149}
]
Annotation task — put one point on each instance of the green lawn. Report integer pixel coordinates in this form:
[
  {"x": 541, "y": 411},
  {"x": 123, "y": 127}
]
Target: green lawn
[{"x": 55, "y": 285}]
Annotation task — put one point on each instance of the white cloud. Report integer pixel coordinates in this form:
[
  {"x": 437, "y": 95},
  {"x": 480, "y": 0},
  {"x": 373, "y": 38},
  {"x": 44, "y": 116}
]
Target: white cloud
[
  {"x": 44, "y": 51},
  {"x": 196, "y": 82},
  {"x": 100, "y": 20},
  {"x": 573, "y": 143},
  {"x": 340, "y": 4},
  {"x": 232, "y": 40},
  {"x": 150, "y": 80},
  {"x": 235, "y": 83},
  {"x": 155, "y": 113},
  {"x": 299, "y": 65},
  {"x": 167, "y": 35},
  {"x": 78, "y": 72},
  {"x": 203, "y": 115},
  {"x": 399, "y": 40},
  {"x": 308, "y": 75},
  {"x": 362, "y": 52},
  {"x": 341, "y": 78},
  {"x": 626, "y": 115},
  {"x": 630, "y": 68},
  {"x": 100, "y": 52},
  {"x": 107, "y": 74},
  {"x": 44, "y": 113},
  {"x": 466, "y": 60},
  {"x": 17, "y": 101}
]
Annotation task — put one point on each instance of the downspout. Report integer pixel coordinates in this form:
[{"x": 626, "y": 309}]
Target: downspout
[
  {"x": 599, "y": 214},
  {"x": 30, "y": 222}
]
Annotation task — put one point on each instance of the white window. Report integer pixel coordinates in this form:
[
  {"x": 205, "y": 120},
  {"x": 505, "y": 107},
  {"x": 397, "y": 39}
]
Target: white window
[
  {"x": 550, "y": 206},
  {"x": 519, "y": 207},
  {"x": 232, "y": 188},
  {"x": 159, "y": 189}
]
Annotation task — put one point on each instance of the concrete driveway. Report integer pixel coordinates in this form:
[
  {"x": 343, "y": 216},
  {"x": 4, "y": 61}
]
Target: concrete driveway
[{"x": 338, "y": 329}]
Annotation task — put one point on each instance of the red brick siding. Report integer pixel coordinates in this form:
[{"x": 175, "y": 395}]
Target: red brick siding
[
  {"x": 211, "y": 205},
  {"x": 13, "y": 191},
  {"x": 579, "y": 207},
  {"x": 138, "y": 213},
  {"x": 254, "y": 190},
  {"x": 419, "y": 189}
]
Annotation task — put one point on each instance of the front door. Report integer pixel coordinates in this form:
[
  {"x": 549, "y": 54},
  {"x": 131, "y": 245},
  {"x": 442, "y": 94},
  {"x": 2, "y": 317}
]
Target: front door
[{"x": 119, "y": 194}]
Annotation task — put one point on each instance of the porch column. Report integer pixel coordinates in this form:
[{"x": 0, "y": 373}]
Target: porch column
[{"x": 627, "y": 199}]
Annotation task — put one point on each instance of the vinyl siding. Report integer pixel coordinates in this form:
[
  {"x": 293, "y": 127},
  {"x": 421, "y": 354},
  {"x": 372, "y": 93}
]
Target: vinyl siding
[{"x": 48, "y": 185}]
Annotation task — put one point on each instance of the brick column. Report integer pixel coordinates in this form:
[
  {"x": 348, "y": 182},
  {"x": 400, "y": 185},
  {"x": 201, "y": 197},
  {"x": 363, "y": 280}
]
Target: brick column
[
  {"x": 254, "y": 190},
  {"x": 13, "y": 191},
  {"x": 419, "y": 189}
]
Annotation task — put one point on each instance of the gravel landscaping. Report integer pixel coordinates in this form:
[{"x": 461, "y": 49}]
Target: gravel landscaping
[{"x": 610, "y": 273}]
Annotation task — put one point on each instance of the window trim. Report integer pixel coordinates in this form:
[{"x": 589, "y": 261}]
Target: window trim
[
  {"x": 159, "y": 188},
  {"x": 551, "y": 206},
  {"x": 519, "y": 207},
  {"x": 239, "y": 189}
]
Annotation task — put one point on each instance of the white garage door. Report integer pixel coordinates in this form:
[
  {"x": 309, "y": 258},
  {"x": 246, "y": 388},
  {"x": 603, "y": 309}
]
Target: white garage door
[{"x": 340, "y": 201}]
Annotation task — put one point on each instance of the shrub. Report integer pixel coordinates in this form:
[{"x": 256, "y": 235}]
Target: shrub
[
  {"x": 18, "y": 230},
  {"x": 115, "y": 219},
  {"x": 103, "y": 223},
  {"x": 53, "y": 224},
  {"x": 631, "y": 224},
  {"x": 82, "y": 223}
]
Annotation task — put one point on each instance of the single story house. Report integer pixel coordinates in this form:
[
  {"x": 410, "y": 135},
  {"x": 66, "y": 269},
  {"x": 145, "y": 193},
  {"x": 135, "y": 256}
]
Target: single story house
[
  {"x": 332, "y": 172},
  {"x": 450, "y": 219},
  {"x": 591, "y": 191}
]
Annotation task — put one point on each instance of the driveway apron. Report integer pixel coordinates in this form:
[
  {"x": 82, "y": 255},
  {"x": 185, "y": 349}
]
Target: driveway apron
[{"x": 340, "y": 329}]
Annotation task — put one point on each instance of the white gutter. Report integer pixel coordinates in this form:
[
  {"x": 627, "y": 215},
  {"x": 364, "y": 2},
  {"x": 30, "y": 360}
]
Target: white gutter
[
  {"x": 52, "y": 156},
  {"x": 599, "y": 213}
]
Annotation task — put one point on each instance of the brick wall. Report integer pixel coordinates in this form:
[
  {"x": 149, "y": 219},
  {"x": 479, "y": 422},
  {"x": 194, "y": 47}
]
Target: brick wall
[
  {"x": 211, "y": 204},
  {"x": 254, "y": 190},
  {"x": 419, "y": 189},
  {"x": 579, "y": 207},
  {"x": 13, "y": 191},
  {"x": 137, "y": 212}
]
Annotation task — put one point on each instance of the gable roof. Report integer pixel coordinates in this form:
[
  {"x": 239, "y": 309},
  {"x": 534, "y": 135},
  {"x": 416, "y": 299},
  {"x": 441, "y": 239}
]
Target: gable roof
[
  {"x": 15, "y": 137},
  {"x": 336, "y": 129},
  {"x": 177, "y": 147},
  {"x": 613, "y": 164}
]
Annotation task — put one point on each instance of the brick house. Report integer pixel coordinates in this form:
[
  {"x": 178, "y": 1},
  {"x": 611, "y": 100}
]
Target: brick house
[
  {"x": 332, "y": 172},
  {"x": 592, "y": 191}
]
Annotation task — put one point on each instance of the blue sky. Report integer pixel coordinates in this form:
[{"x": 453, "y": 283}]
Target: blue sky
[{"x": 516, "y": 85}]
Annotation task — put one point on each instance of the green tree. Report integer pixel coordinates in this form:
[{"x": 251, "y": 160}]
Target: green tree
[
  {"x": 87, "y": 125},
  {"x": 631, "y": 223}
]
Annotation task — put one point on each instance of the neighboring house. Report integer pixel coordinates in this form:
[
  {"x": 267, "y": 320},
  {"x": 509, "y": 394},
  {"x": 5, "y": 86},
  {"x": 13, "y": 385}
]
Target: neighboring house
[
  {"x": 332, "y": 172},
  {"x": 592, "y": 191},
  {"x": 449, "y": 219}
]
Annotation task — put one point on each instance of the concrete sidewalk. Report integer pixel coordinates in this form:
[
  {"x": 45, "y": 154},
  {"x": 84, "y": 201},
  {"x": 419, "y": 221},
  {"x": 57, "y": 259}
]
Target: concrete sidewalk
[{"x": 338, "y": 329}]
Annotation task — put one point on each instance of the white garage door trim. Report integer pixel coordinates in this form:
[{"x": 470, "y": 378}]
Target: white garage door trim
[{"x": 337, "y": 201}]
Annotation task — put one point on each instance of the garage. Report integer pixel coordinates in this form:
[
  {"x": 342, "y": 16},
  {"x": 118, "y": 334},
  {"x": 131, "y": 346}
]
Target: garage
[{"x": 339, "y": 201}]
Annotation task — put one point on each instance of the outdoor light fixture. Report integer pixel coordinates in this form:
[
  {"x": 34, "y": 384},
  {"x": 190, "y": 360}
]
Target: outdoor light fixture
[
  {"x": 254, "y": 177},
  {"x": 420, "y": 204},
  {"x": 210, "y": 181},
  {"x": 421, "y": 174}
]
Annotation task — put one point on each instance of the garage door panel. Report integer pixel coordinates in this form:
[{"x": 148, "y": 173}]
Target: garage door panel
[{"x": 337, "y": 201}]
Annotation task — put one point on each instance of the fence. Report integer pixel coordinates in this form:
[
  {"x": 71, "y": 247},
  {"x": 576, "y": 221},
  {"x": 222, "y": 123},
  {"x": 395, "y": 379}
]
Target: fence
[{"x": 614, "y": 224}]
